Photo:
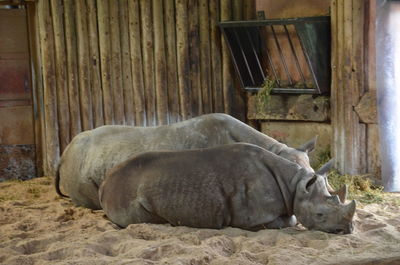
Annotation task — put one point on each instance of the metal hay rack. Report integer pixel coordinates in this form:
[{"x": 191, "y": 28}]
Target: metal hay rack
[{"x": 293, "y": 52}]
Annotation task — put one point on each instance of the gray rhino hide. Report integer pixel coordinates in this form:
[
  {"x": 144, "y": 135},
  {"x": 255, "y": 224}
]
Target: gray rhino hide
[
  {"x": 237, "y": 185},
  {"x": 86, "y": 159}
]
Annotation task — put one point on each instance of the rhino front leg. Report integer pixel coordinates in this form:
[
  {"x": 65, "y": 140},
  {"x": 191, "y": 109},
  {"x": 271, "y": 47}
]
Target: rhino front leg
[{"x": 282, "y": 222}]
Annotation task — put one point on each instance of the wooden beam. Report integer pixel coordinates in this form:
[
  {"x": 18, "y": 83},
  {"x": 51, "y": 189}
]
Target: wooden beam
[
  {"x": 160, "y": 63},
  {"x": 49, "y": 84}
]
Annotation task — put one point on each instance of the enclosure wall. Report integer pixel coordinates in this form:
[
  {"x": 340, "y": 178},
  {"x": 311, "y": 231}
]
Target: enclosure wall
[{"x": 135, "y": 62}]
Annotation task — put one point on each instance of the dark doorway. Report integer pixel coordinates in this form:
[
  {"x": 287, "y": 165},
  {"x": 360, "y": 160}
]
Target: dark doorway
[{"x": 17, "y": 148}]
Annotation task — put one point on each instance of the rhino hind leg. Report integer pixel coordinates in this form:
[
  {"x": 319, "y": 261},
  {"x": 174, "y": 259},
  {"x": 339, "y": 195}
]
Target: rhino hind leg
[
  {"x": 282, "y": 222},
  {"x": 137, "y": 213}
]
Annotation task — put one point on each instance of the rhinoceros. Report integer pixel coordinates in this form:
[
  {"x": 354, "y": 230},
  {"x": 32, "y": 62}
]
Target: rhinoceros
[
  {"x": 239, "y": 185},
  {"x": 91, "y": 153}
]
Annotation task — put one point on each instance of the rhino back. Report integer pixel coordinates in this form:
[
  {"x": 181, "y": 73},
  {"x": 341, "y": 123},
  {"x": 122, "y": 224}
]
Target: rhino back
[{"x": 199, "y": 188}]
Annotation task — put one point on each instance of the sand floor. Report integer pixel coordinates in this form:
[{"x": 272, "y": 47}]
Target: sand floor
[{"x": 37, "y": 227}]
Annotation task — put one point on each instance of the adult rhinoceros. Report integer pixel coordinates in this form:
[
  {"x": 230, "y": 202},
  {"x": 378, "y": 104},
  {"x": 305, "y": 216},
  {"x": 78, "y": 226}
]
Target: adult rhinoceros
[
  {"x": 239, "y": 185},
  {"x": 90, "y": 154}
]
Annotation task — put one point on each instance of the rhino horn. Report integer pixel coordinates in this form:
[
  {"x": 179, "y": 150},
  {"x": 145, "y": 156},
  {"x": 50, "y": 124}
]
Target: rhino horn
[
  {"x": 349, "y": 210},
  {"x": 309, "y": 146},
  {"x": 334, "y": 199},
  {"x": 342, "y": 193}
]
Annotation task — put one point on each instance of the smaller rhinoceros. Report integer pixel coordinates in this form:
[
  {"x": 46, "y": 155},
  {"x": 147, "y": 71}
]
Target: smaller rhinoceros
[{"x": 239, "y": 185}]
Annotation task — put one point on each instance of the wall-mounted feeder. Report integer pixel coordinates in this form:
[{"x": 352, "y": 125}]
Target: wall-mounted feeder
[{"x": 294, "y": 53}]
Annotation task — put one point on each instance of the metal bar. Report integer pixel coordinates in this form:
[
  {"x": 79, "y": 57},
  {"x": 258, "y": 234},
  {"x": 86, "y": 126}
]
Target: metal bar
[
  {"x": 268, "y": 22},
  {"x": 294, "y": 54},
  {"x": 283, "y": 90},
  {"x": 255, "y": 53},
  {"x": 309, "y": 63},
  {"x": 281, "y": 55},
  {"x": 244, "y": 57},
  {"x": 271, "y": 64}
]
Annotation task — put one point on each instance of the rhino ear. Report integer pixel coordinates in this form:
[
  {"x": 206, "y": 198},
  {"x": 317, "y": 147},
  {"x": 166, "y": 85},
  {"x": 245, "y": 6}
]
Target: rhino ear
[
  {"x": 310, "y": 183},
  {"x": 309, "y": 146},
  {"x": 325, "y": 168}
]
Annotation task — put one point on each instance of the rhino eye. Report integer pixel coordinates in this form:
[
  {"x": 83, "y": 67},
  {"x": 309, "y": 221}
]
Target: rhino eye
[{"x": 320, "y": 215}]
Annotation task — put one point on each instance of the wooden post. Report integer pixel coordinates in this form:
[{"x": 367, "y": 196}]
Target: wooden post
[
  {"x": 216, "y": 72},
  {"x": 83, "y": 66},
  {"x": 49, "y": 84},
  {"x": 183, "y": 58},
  {"x": 148, "y": 60},
  {"x": 105, "y": 59},
  {"x": 172, "y": 76},
  {"x": 116, "y": 71},
  {"x": 73, "y": 85},
  {"x": 129, "y": 103},
  {"x": 61, "y": 74},
  {"x": 194, "y": 58},
  {"x": 205, "y": 53},
  {"x": 37, "y": 88},
  {"x": 95, "y": 79},
  {"x": 349, "y": 143},
  {"x": 136, "y": 59},
  {"x": 160, "y": 63},
  {"x": 227, "y": 78}
]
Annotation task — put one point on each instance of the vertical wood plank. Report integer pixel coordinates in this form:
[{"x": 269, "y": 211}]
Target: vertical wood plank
[
  {"x": 216, "y": 73},
  {"x": 37, "y": 88},
  {"x": 249, "y": 9},
  {"x": 194, "y": 58},
  {"x": 205, "y": 62},
  {"x": 183, "y": 58},
  {"x": 116, "y": 71},
  {"x": 105, "y": 59},
  {"x": 72, "y": 73},
  {"x": 94, "y": 57},
  {"x": 227, "y": 78},
  {"x": 61, "y": 75},
  {"x": 129, "y": 104},
  {"x": 148, "y": 60},
  {"x": 172, "y": 69},
  {"x": 83, "y": 66},
  {"x": 49, "y": 83},
  {"x": 160, "y": 63},
  {"x": 136, "y": 60}
]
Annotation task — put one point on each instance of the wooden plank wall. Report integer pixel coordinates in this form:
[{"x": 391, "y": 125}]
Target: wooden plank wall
[
  {"x": 136, "y": 62},
  {"x": 354, "y": 139}
]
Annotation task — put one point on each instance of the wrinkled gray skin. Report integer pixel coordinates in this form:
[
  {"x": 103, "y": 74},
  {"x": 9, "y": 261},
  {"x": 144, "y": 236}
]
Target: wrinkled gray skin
[
  {"x": 86, "y": 159},
  {"x": 239, "y": 185}
]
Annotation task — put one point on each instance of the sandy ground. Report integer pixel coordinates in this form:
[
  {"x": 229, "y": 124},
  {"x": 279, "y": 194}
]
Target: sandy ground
[{"x": 37, "y": 227}]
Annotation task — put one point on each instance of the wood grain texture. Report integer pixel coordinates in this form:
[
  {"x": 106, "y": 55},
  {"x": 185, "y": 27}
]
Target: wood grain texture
[
  {"x": 72, "y": 67},
  {"x": 126, "y": 71},
  {"x": 160, "y": 63},
  {"x": 94, "y": 64},
  {"x": 103, "y": 14},
  {"x": 136, "y": 62},
  {"x": 61, "y": 73},
  {"x": 83, "y": 66},
  {"x": 49, "y": 83},
  {"x": 185, "y": 93},
  {"x": 148, "y": 60},
  {"x": 116, "y": 66},
  {"x": 172, "y": 69}
]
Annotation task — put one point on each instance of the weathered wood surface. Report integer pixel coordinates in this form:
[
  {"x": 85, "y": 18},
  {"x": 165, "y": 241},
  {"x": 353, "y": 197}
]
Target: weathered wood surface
[
  {"x": 348, "y": 76},
  {"x": 61, "y": 74},
  {"x": 83, "y": 66},
  {"x": 133, "y": 62},
  {"x": 295, "y": 108},
  {"x": 366, "y": 108},
  {"x": 52, "y": 144}
]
